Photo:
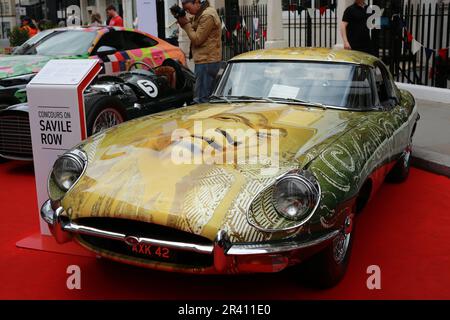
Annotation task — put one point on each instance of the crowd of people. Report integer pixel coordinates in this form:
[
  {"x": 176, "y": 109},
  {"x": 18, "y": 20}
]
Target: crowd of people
[{"x": 113, "y": 19}]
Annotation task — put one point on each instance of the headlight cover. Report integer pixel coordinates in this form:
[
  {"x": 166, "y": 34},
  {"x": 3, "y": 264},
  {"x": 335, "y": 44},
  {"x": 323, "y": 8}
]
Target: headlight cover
[
  {"x": 296, "y": 195},
  {"x": 68, "y": 169},
  {"x": 286, "y": 204}
]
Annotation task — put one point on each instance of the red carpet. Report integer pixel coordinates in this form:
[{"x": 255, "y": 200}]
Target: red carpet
[{"x": 405, "y": 231}]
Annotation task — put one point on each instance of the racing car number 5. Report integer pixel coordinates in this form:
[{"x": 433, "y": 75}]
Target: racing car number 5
[{"x": 149, "y": 88}]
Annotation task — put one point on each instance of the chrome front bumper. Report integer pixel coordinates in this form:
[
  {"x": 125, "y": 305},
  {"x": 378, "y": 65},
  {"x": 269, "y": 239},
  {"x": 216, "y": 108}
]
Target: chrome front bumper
[{"x": 228, "y": 257}]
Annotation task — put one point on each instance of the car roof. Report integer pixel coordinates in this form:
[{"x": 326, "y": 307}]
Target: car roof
[
  {"x": 98, "y": 29},
  {"x": 310, "y": 54}
]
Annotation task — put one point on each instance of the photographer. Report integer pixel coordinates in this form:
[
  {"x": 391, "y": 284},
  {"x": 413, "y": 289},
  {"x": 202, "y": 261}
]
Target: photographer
[{"x": 204, "y": 31}]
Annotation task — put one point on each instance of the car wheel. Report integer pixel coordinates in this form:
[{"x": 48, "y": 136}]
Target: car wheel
[
  {"x": 104, "y": 112},
  {"x": 400, "y": 172},
  {"x": 327, "y": 268}
]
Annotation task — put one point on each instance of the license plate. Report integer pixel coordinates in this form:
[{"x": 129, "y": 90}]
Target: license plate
[{"x": 151, "y": 251}]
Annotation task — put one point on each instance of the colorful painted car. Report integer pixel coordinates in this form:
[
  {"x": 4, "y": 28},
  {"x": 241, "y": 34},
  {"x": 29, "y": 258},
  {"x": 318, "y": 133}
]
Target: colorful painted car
[
  {"x": 116, "y": 48},
  {"x": 109, "y": 101},
  {"x": 321, "y": 128}
]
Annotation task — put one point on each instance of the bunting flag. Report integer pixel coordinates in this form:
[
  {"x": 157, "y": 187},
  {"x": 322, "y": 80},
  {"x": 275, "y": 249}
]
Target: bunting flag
[
  {"x": 323, "y": 9},
  {"x": 429, "y": 52},
  {"x": 292, "y": 7},
  {"x": 443, "y": 53},
  {"x": 228, "y": 35},
  {"x": 265, "y": 34},
  {"x": 244, "y": 25},
  {"x": 255, "y": 23},
  {"x": 247, "y": 34},
  {"x": 311, "y": 12},
  {"x": 416, "y": 46},
  {"x": 224, "y": 27},
  {"x": 238, "y": 26},
  {"x": 409, "y": 36}
]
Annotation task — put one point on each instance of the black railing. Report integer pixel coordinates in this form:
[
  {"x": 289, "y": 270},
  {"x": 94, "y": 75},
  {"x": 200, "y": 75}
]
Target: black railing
[
  {"x": 405, "y": 26},
  {"x": 415, "y": 44},
  {"x": 310, "y": 28},
  {"x": 246, "y": 31}
]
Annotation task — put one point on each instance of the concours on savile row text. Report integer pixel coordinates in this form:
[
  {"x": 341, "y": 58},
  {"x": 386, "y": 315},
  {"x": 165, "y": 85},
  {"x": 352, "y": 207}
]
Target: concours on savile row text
[{"x": 262, "y": 149}]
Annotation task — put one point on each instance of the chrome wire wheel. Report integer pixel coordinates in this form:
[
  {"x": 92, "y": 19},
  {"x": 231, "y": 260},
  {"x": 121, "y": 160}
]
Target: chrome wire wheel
[
  {"x": 107, "y": 118},
  {"x": 340, "y": 247}
]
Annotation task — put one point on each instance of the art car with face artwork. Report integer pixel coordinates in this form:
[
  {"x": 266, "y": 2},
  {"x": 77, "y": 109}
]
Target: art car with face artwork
[{"x": 336, "y": 126}]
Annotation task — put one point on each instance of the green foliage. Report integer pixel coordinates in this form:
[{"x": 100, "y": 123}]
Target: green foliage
[
  {"x": 17, "y": 37},
  {"x": 46, "y": 24}
]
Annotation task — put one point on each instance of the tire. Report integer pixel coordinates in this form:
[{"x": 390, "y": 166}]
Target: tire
[
  {"x": 327, "y": 268},
  {"x": 400, "y": 172},
  {"x": 103, "y": 113}
]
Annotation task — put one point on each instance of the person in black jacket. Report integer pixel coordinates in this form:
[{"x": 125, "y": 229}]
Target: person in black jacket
[{"x": 354, "y": 30}]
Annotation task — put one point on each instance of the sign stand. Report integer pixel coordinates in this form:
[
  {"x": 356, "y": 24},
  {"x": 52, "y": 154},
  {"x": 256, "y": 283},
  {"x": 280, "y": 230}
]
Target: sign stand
[{"x": 57, "y": 123}]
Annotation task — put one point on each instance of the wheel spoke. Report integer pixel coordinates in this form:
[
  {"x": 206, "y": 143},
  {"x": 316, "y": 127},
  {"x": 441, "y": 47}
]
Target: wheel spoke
[{"x": 106, "y": 119}]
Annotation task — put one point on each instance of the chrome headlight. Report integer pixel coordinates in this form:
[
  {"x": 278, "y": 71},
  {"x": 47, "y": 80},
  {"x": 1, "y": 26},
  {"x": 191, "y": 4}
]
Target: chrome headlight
[
  {"x": 68, "y": 169},
  {"x": 296, "y": 195}
]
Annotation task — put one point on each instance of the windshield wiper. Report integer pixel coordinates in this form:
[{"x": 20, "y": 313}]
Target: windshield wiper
[
  {"x": 230, "y": 99},
  {"x": 219, "y": 98},
  {"x": 247, "y": 98},
  {"x": 299, "y": 101}
]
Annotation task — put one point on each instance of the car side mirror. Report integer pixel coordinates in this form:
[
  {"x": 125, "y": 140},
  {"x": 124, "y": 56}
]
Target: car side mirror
[{"x": 106, "y": 50}]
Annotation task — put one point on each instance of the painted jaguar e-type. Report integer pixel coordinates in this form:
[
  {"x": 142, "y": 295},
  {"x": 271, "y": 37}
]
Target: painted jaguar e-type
[{"x": 335, "y": 124}]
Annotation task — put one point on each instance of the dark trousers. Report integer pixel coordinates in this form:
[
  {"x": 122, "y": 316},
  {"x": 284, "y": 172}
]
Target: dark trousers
[{"x": 205, "y": 78}]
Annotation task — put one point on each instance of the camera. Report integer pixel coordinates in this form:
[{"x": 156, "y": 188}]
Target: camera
[{"x": 177, "y": 11}]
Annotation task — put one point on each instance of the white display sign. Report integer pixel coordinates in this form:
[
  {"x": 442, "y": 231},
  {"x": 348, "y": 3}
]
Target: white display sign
[
  {"x": 57, "y": 117},
  {"x": 147, "y": 17}
]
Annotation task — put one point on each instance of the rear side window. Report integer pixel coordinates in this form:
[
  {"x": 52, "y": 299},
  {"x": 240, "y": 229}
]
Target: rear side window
[
  {"x": 111, "y": 39},
  {"x": 134, "y": 40},
  {"x": 384, "y": 85}
]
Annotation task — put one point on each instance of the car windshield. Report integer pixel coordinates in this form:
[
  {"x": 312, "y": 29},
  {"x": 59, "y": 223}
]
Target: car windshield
[
  {"x": 58, "y": 43},
  {"x": 327, "y": 84}
]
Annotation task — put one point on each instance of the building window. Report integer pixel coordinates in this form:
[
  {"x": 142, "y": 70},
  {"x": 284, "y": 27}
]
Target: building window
[
  {"x": 6, "y": 28},
  {"x": 5, "y": 9}
]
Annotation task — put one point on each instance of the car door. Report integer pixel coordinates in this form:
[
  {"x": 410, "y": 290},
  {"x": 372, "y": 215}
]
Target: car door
[{"x": 142, "y": 48}]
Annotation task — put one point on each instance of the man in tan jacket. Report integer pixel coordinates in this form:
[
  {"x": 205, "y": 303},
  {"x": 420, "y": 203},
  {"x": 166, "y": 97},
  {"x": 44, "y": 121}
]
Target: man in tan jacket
[{"x": 205, "y": 32}]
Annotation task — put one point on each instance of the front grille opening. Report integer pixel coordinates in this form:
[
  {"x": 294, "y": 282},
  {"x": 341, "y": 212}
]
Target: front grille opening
[
  {"x": 142, "y": 229},
  {"x": 15, "y": 136},
  {"x": 149, "y": 230}
]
